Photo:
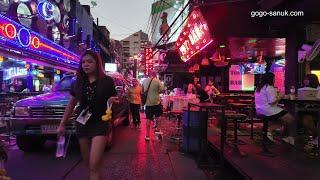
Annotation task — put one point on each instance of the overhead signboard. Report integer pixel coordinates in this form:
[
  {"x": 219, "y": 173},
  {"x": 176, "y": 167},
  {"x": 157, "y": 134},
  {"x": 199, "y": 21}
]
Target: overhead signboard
[
  {"x": 194, "y": 37},
  {"x": 163, "y": 14},
  {"x": 19, "y": 38}
]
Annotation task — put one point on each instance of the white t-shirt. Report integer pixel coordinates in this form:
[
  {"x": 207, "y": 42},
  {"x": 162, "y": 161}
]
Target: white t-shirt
[{"x": 267, "y": 95}]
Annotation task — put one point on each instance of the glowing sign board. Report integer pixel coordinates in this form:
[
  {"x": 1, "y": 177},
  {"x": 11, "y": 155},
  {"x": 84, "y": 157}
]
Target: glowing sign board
[
  {"x": 194, "y": 37},
  {"x": 20, "y": 38},
  {"x": 46, "y": 9},
  {"x": 149, "y": 60}
]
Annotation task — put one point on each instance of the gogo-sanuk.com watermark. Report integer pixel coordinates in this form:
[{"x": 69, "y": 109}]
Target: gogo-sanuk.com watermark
[{"x": 284, "y": 13}]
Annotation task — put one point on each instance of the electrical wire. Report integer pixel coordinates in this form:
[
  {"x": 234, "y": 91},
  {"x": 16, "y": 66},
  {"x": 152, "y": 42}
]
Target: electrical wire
[
  {"x": 125, "y": 27},
  {"x": 156, "y": 20},
  {"x": 174, "y": 32},
  {"x": 184, "y": 8},
  {"x": 149, "y": 21},
  {"x": 157, "y": 16}
]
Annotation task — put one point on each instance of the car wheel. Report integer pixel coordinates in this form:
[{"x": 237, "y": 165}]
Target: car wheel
[
  {"x": 30, "y": 143},
  {"x": 110, "y": 137}
]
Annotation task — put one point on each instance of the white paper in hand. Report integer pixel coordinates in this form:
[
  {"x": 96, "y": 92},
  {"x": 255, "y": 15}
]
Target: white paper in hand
[{"x": 60, "y": 146}]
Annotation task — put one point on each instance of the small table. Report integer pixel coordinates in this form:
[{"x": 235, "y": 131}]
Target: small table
[
  {"x": 300, "y": 105},
  {"x": 203, "y": 127}
]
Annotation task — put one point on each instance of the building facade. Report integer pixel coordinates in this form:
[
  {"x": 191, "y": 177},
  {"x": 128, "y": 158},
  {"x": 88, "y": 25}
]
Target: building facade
[
  {"x": 133, "y": 46},
  {"x": 116, "y": 52},
  {"x": 101, "y": 42}
]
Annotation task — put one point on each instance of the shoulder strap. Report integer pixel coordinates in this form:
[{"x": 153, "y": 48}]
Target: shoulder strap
[{"x": 149, "y": 85}]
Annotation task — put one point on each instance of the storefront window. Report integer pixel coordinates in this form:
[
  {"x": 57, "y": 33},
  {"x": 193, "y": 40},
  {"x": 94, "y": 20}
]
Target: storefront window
[{"x": 17, "y": 75}]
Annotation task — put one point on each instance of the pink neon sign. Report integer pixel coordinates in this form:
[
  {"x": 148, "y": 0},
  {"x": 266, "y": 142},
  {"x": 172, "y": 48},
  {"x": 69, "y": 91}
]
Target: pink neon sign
[
  {"x": 149, "y": 63},
  {"x": 194, "y": 37}
]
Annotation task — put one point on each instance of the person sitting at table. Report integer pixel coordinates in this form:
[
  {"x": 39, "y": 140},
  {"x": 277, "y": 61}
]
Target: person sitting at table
[
  {"x": 311, "y": 81},
  {"x": 192, "y": 86},
  {"x": 266, "y": 102},
  {"x": 202, "y": 94},
  {"x": 211, "y": 90},
  {"x": 308, "y": 120}
]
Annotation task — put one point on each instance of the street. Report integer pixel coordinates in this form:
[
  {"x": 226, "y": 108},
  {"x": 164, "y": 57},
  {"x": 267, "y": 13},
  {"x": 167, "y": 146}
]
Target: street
[{"x": 130, "y": 157}]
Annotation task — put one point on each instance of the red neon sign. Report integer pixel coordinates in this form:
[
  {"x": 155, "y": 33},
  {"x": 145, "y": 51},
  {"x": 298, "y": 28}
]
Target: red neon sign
[
  {"x": 10, "y": 31},
  {"x": 35, "y": 42},
  {"x": 148, "y": 56},
  {"x": 194, "y": 37}
]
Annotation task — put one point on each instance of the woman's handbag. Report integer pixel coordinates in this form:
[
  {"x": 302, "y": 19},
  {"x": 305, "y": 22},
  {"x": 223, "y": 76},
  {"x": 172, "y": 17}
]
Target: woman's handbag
[{"x": 144, "y": 95}]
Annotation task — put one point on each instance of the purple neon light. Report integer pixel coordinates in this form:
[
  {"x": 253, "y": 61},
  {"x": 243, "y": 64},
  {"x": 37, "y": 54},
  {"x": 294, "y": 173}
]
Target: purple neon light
[{"x": 47, "y": 49}]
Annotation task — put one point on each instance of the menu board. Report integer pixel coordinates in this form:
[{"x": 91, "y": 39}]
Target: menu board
[
  {"x": 238, "y": 80},
  {"x": 235, "y": 79}
]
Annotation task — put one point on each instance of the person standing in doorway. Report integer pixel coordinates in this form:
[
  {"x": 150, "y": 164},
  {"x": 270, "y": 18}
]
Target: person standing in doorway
[
  {"x": 153, "y": 106},
  {"x": 135, "y": 101},
  {"x": 94, "y": 90}
]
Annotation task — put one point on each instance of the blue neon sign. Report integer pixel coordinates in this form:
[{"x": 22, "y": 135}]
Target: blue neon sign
[
  {"x": 46, "y": 9},
  {"x": 18, "y": 37}
]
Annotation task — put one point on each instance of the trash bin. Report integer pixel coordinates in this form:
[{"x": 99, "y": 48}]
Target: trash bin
[{"x": 192, "y": 136}]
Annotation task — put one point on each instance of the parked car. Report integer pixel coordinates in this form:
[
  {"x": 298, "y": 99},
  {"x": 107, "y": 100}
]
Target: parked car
[{"x": 35, "y": 119}]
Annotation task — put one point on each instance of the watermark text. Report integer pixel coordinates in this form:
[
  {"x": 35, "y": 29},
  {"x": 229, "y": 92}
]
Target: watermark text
[{"x": 284, "y": 13}]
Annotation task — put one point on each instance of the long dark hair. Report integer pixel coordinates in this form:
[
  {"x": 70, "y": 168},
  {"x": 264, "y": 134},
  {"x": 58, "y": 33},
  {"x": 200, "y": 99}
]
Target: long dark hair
[
  {"x": 313, "y": 80},
  {"x": 82, "y": 77},
  {"x": 266, "y": 79}
]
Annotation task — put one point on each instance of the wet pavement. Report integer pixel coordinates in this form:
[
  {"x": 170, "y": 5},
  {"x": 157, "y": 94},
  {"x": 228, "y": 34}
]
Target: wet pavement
[{"x": 130, "y": 157}]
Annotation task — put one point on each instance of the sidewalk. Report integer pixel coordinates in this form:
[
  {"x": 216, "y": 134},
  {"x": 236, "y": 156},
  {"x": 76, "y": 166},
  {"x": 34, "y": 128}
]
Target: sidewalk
[{"x": 131, "y": 157}]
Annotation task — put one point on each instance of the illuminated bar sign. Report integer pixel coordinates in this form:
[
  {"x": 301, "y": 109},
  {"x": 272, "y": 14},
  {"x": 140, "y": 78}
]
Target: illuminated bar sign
[
  {"x": 19, "y": 38},
  {"x": 149, "y": 57},
  {"x": 194, "y": 37}
]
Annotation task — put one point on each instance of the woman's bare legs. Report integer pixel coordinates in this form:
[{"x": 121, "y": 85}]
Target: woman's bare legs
[
  {"x": 85, "y": 150},
  {"x": 98, "y": 146}
]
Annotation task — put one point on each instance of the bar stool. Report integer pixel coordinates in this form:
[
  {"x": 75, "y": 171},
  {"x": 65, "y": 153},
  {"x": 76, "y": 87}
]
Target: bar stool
[
  {"x": 243, "y": 109},
  {"x": 236, "y": 118},
  {"x": 265, "y": 150},
  {"x": 178, "y": 133}
]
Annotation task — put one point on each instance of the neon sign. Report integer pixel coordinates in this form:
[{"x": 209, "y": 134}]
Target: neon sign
[
  {"x": 46, "y": 9},
  {"x": 148, "y": 56},
  {"x": 10, "y": 31},
  {"x": 18, "y": 37},
  {"x": 195, "y": 36}
]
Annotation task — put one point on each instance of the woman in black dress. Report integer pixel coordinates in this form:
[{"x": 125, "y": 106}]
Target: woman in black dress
[{"x": 93, "y": 89}]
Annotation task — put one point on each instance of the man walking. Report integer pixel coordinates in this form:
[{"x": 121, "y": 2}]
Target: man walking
[{"x": 153, "y": 107}]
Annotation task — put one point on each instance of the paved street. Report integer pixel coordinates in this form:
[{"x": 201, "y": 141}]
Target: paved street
[{"x": 129, "y": 158}]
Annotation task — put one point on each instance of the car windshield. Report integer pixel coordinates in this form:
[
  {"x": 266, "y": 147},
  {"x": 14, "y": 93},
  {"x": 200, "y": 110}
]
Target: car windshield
[{"x": 65, "y": 84}]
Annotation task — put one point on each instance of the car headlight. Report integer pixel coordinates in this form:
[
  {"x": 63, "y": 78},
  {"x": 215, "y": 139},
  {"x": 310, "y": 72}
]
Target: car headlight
[{"x": 21, "y": 111}]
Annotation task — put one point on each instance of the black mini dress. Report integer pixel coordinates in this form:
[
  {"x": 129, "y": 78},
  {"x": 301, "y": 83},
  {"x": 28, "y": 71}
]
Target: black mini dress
[{"x": 95, "y": 96}]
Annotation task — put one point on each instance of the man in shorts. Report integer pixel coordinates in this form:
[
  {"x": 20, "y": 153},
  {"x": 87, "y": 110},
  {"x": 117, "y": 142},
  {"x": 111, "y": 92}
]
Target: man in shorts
[{"x": 153, "y": 106}]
